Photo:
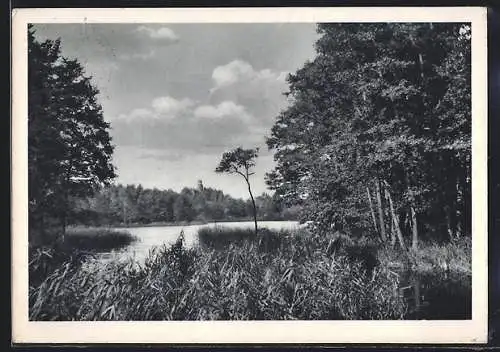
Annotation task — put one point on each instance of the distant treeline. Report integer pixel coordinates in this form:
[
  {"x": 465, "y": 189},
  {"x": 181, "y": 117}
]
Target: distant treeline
[{"x": 134, "y": 204}]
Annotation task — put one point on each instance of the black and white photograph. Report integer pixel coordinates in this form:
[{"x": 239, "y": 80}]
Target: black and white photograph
[{"x": 259, "y": 171}]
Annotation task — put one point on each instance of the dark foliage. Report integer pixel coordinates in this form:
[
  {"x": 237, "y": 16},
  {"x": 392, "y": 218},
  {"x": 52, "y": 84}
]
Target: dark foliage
[
  {"x": 69, "y": 147},
  {"x": 131, "y": 205},
  {"x": 378, "y": 136}
]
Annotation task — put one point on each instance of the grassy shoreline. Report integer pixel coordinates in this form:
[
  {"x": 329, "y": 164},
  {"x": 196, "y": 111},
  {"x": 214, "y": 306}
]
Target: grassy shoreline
[
  {"x": 97, "y": 238},
  {"x": 176, "y": 223},
  {"x": 232, "y": 275}
]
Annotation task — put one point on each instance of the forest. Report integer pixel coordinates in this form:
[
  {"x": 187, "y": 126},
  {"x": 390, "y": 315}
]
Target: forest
[
  {"x": 378, "y": 136},
  {"x": 129, "y": 205}
]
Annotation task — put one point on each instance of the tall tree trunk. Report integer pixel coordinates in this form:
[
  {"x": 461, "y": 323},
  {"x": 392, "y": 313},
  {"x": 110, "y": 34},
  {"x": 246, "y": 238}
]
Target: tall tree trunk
[
  {"x": 451, "y": 199},
  {"x": 63, "y": 228},
  {"x": 372, "y": 210},
  {"x": 395, "y": 220},
  {"x": 64, "y": 216},
  {"x": 421, "y": 64},
  {"x": 393, "y": 235},
  {"x": 380, "y": 211},
  {"x": 467, "y": 200},
  {"x": 460, "y": 206},
  {"x": 66, "y": 203},
  {"x": 253, "y": 204},
  {"x": 415, "y": 282},
  {"x": 43, "y": 231},
  {"x": 451, "y": 222},
  {"x": 392, "y": 229},
  {"x": 414, "y": 238},
  {"x": 448, "y": 195}
]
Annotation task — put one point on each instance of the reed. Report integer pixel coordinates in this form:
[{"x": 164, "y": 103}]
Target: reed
[
  {"x": 297, "y": 279},
  {"x": 78, "y": 245},
  {"x": 432, "y": 257},
  {"x": 97, "y": 239},
  {"x": 221, "y": 237}
]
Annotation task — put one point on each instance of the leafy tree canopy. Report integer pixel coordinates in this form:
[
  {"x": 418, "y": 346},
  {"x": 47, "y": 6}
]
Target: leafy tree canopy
[
  {"x": 384, "y": 104},
  {"x": 69, "y": 146}
]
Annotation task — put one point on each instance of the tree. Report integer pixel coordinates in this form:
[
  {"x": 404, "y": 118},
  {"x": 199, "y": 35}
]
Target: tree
[
  {"x": 268, "y": 207},
  {"x": 119, "y": 204},
  {"x": 373, "y": 114},
  {"x": 240, "y": 161},
  {"x": 69, "y": 145},
  {"x": 236, "y": 208},
  {"x": 214, "y": 211},
  {"x": 167, "y": 206},
  {"x": 183, "y": 208}
]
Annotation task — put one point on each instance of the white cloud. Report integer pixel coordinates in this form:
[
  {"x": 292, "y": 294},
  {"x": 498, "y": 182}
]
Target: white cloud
[
  {"x": 224, "y": 109},
  {"x": 165, "y": 108},
  {"x": 238, "y": 71},
  {"x": 232, "y": 72},
  {"x": 171, "y": 106},
  {"x": 172, "y": 124},
  {"x": 163, "y": 33},
  {"x": 260, "y": 91}
]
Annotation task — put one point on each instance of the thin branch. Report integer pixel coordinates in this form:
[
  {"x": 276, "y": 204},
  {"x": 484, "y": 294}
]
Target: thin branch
[{"x": 242, "y": 174}]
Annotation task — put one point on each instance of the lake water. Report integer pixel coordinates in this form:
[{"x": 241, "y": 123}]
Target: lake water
[
  {"x": 153, "y": 236},
  {"x": 429, "y": 296},
  {"x": 439, "y": 296}
]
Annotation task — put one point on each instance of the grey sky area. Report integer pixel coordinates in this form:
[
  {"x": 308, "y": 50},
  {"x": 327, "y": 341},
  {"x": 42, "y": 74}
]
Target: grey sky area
[{"x": 178, "y": 95}]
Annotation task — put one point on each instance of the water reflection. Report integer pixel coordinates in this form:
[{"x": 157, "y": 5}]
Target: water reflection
[{"x": 437, "y": 296}]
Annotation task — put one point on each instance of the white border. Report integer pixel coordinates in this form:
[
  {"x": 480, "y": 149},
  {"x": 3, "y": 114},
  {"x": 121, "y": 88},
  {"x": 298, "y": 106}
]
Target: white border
[{"x": 473, "y": 331}]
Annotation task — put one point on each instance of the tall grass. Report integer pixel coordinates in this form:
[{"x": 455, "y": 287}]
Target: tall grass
[
  {"x": 97, "y": 239},
  {"x": 78, "y": 245},
  {"x": 289, "y": 276},
  {"x": 219, "y": 237},
  {"x": 222, "y": 237},
  {"x": 432, "y": 257}
]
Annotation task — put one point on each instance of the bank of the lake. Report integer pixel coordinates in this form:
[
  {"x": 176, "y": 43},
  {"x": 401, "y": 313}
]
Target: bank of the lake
[
  {"x": 287, "y": 274},
  {"x": 149, "y": 237},
  {"x": 188, "y": 223}
]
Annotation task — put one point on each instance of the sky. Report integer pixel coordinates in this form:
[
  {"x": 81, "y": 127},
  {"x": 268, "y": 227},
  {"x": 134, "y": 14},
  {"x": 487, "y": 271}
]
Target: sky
[{"x": 178, "y": 95}]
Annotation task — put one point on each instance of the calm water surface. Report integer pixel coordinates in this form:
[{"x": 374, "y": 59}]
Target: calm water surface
[
  {"x": 437, "y": 296},
  {"x": 153, "y": 236}
]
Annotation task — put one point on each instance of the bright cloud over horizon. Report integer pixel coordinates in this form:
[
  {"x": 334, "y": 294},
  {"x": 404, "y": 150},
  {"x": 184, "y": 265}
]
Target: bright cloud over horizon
[
  {"x": 163, "y": 33},
  {"x": 178, "y": 95}
]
